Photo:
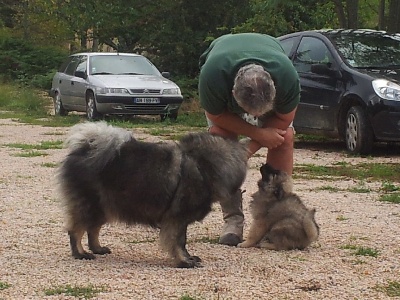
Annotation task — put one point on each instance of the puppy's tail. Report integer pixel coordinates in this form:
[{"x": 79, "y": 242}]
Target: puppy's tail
[
  {"x": 310, "y": 226},
  {"x": 100, "y": 142}
]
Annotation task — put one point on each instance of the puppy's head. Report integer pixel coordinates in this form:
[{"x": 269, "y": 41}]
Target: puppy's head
[{"x": 274, "y": 182}]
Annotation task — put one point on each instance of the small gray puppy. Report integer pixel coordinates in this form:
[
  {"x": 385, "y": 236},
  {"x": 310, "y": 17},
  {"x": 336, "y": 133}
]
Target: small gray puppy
[{"x": 280, "y": 219}]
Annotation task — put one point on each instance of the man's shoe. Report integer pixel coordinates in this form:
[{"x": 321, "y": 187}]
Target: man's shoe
[{"x": 230, "y": 239}]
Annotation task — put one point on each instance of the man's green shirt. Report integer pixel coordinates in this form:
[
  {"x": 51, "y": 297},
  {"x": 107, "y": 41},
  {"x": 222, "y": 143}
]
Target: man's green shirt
[{"x": 224, "y": 57}]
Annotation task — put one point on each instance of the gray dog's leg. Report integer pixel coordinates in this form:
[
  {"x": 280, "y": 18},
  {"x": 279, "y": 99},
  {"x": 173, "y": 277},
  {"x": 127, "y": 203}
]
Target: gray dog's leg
[
  {"x": 94, "y": 244},
  {"x": 75, "y": 239},
  {"x": 173, "y": 240}
]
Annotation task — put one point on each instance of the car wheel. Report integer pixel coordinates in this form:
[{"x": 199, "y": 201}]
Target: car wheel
[
  {"x": 173, "y": 116},
  {"x": 359, "y": 135},
  {"x": 91, "y": 110},
  {"x": 59, "y": 109}
]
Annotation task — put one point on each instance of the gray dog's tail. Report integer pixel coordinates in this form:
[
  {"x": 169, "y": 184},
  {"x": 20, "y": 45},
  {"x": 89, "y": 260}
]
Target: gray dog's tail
[{"x": 100, "y": 141}]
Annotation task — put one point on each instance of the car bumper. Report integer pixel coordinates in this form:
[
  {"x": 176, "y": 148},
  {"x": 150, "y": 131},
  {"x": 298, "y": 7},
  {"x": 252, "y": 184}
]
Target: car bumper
[
  {"x": 126, "y": 105},
  {"x": 386, "y": 120}
]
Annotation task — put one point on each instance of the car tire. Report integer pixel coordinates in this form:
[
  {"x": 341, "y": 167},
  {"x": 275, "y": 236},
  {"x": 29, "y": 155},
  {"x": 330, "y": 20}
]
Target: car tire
[
  {"x": 91, "y": 110},
  {"x": 359, "y": 136},
  {"x": 171, "y": 116},
  {"x": 59, "y": 109}
]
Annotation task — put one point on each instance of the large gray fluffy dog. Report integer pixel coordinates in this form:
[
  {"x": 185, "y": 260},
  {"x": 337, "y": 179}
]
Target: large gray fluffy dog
[
  {"x": 109, "y": 176},
  {"x": 281, "y": 221}
]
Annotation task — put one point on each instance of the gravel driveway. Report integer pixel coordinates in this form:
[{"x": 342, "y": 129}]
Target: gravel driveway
[{"x": 35, "y": 256}]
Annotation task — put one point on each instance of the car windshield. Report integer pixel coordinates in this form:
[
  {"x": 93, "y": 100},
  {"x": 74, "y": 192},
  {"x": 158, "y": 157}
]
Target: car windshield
[
  {"x": 121, "y": 65},
  {"x": 364, "y": 49}
]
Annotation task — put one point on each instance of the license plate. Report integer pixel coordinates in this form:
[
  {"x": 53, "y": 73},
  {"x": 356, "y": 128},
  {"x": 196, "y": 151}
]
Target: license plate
[{"x": 147, "y": 100}]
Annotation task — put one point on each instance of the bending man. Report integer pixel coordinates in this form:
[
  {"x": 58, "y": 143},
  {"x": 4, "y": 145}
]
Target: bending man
[{"x": 249, "y": 87}]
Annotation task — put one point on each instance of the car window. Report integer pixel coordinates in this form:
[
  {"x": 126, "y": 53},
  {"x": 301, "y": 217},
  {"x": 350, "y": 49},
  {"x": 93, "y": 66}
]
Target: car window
[
  {"x": 121, "y": 64},
  {"x": 82, "y": 64},
  {"x": 64, "y": 64},
  {"x": 70, "y": 70},
  {"x": 311, "y": 51},
  {"x": 287, "y": 44},
  {"x": 364, "y": 49}
]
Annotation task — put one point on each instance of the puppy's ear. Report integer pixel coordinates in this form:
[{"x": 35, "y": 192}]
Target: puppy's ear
[{"x": 266, "y": 170}]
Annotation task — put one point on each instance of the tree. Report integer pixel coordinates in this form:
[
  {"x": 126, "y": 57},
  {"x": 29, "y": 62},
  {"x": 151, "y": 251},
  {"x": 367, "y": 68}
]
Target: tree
[
  {"x": 277, "y": 17},
  {"x": 347, "y": 13},
  {"x": 394, "y": 21}
]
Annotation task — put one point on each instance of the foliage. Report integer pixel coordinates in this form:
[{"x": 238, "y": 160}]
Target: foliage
[
  {"x": 277, "y": 17},
  {"x": 23, "y": 100},
  {"x": 172, "y": 34},
  {"x": 27, "y": 63}
]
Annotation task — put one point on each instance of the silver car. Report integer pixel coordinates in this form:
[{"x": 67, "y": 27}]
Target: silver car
[{"x": 113, "y": 84}]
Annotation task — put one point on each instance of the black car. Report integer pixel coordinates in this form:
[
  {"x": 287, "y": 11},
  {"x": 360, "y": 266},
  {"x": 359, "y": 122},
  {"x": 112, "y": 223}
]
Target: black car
[{"x": 350, "y": 85}]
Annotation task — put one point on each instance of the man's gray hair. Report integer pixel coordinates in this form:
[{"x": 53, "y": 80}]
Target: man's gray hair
[{"x": 254, "y": 89}]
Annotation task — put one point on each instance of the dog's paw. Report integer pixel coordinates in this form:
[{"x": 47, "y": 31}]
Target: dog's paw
[
  {"x": 191, "y": 262},
  {"x": 101, "y": 250},
  {"x": 84, "y": 255}
]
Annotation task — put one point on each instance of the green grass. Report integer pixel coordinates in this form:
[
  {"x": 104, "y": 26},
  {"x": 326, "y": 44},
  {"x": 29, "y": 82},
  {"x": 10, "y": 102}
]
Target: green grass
[
  {"x": 391, "y": 289},
  {"x": 45, "y": 145},
  {"x": 341, "y": 218},
  {"x": 392, "y": 198},
  {"x": 361, "y": 187},
  {"x": 50, "y": 165},
  {"x": 31, "y": 106},
  {"x": 32, "y": 153},
  {"x": 206, "y": 239},
  {"x": 361, "y": 251},
  {"x": 4, "y": 285},
  {"x": 21, "y": 100},
  {"x": 329, "y": 188},
  {"x": 311, "y": 138},
  {"x": 30, "y": 150},
  {"x": 187, "y": 297},
  {"x": 85, "y": 292},
  {"x": 145, "y": 241},
  {"x": 389, "y": 187},
  {"x": 376, "y": 171}
]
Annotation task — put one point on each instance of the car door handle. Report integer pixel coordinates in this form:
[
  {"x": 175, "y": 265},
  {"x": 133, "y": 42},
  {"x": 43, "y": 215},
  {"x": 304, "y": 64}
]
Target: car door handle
[{"x": 72, "y": 82}]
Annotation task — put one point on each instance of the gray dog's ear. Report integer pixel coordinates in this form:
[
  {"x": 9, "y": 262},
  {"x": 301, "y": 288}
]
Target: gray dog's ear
[{"x": 266, "y": 170}]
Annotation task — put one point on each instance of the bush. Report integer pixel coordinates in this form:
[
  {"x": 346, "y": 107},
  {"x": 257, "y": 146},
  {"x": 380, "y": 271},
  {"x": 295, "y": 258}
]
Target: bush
[{"x": 27, "y": 63}]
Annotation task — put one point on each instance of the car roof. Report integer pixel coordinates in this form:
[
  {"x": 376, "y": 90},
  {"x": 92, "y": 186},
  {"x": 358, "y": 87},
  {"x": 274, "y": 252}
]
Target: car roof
[
  {"x": 105, "y": 54},
  {"x": 334, "y": 32}
]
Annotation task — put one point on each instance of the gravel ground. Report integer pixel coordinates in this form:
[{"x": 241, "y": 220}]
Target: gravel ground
[{"x": 35, "y": 255}]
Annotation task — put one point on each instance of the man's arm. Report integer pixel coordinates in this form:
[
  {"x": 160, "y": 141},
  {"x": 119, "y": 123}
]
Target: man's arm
[
  {"x": 281, "y": 121},
  {"x": 269, "y": 137}
]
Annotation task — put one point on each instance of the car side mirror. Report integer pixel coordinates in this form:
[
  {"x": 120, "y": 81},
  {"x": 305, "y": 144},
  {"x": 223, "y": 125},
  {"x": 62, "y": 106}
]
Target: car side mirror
[
  {"x": 166, "y": 74},
  {"x": 80, "y": 74},
  {"x": 324, "y": 69}
]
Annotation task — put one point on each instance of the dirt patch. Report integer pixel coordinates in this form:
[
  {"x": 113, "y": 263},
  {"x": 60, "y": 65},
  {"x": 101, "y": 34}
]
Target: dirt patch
[{"x": 35, "y": 255}]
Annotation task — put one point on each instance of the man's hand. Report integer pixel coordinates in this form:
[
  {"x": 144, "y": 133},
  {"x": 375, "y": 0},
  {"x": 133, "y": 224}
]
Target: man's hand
[{"x": 270, "y": 137}]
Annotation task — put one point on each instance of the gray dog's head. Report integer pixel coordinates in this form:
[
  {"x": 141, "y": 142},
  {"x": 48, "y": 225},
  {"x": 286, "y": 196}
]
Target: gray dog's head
[{"x": 274, "y": 183}]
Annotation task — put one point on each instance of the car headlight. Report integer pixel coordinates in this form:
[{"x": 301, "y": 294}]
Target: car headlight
[
  {"x": 111, "y": 91},
  {"x": 174, "y": 91},
  {"x": 386, "y": 89}
]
